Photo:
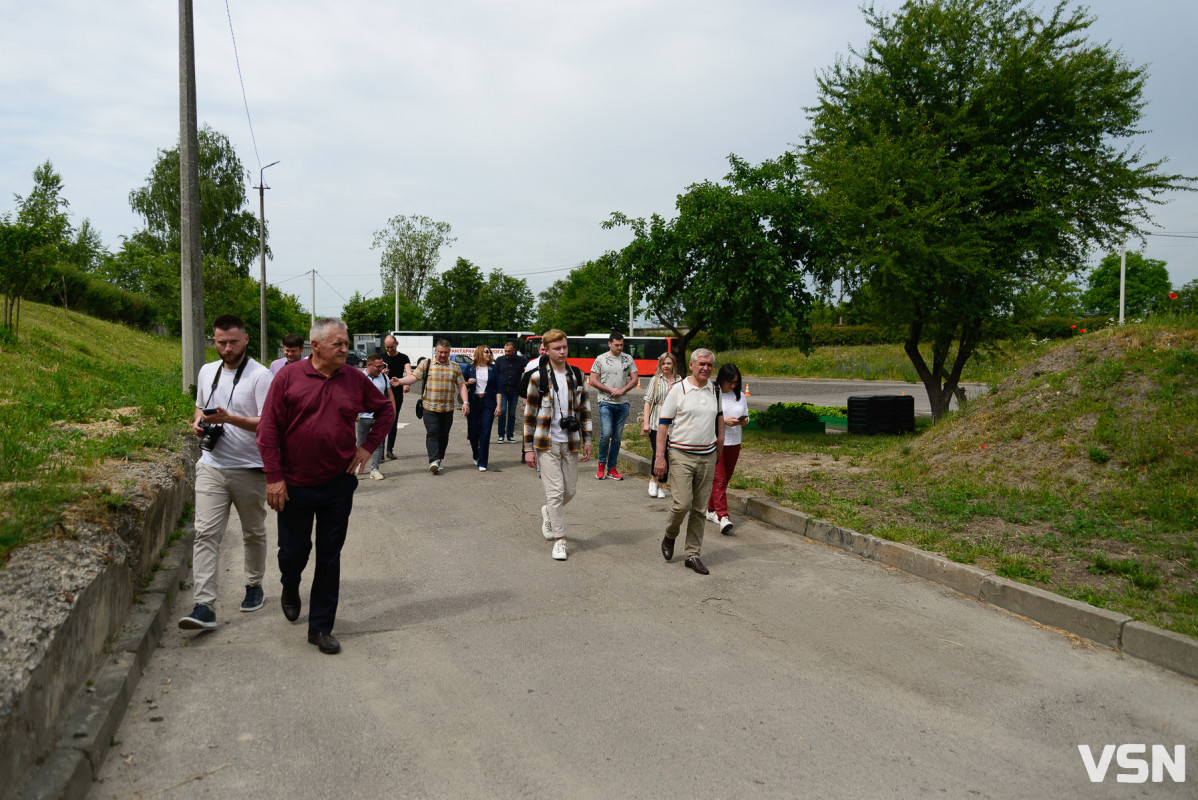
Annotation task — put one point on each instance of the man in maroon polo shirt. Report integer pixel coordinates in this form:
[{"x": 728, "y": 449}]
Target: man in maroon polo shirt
[{"x": 306, "y": 436}]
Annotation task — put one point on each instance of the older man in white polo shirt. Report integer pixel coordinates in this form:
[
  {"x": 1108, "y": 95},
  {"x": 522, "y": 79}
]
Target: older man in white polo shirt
[{"x": 692, "y": 422}]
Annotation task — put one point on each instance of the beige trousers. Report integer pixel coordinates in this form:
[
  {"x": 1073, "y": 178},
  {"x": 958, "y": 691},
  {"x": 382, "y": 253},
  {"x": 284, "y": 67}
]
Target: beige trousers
[
  {"x": 559, "y": 477},
  {"x": 690, "y": 484},
  {"x": 217, "y": 490}
]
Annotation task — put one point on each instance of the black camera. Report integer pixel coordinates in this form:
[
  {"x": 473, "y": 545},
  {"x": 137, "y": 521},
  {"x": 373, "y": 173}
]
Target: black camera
[
  {"x": 212, "y": 433},
  {"x": 570, "y": 424}
]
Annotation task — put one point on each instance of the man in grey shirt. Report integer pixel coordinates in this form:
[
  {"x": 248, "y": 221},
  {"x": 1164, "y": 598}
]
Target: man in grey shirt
[{"x": 613, "y": 375}]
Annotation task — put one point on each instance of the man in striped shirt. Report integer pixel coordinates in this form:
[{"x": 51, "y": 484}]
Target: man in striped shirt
[
  {"x": 557, "y": 426},
  {"x": 692, "y": 422},
  {"x": 443, "y": 378}
]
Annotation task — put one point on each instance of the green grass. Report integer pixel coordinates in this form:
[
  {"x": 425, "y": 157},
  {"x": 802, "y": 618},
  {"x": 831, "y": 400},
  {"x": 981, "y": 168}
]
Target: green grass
[
  {"x": 1080, "y": 480},
  {"x": 66, "y": 373}
]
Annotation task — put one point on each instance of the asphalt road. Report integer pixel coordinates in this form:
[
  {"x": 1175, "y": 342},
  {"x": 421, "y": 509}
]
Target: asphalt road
[{"x": 475, "y": 666}]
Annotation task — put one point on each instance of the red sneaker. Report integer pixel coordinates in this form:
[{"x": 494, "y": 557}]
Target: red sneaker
[
  {"x": 614, "y": 475},
  {"x": 599, "y": 472}
]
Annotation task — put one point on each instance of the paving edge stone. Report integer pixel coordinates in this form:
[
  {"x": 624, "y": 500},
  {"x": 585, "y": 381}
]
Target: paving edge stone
[
  {"x": 94, "y": 717},
  {"x": 1172, "y": 651}
]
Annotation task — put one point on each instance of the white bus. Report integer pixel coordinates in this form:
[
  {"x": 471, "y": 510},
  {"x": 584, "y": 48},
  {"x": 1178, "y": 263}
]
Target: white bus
[{"x": 418, "y": 345}]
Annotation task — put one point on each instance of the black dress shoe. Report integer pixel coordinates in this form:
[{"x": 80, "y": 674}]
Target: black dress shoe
[
  {"x": 694, "y": 563},
  {"x": 326, "y": 642},
  {"x": 667, "y": 548},
  {"x": 291, "y": 603}
]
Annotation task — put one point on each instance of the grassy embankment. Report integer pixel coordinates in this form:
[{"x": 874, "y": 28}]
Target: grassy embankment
[
  {"x": 75, "y": 391},
  {"x": 1079, "y": 473}
]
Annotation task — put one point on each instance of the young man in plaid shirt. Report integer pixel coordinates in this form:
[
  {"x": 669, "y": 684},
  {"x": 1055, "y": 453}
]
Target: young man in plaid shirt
[
  {"x": 442, "y": 379},
  {"x": 557, "y": 427}
]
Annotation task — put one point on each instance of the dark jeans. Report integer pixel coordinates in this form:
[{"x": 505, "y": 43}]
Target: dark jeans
[
  {"x": 478, "y": 429},
  {"x": 436, "y": 433},
  {"x": 507, "y": 414},
  {"x": 395, "y": 422},
  {"x": 329, "y": 505}
]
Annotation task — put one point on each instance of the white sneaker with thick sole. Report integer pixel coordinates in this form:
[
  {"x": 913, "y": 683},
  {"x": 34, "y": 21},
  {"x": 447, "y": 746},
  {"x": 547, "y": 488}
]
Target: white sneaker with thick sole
[
  {"x": 546, "y": 528},
  {"x": 661, "y": 492},
  {"x": 653, "y": 488},
  {"x": 376, "y": 475},
  {"x": 482, "y": 469},
  {"x": 725, "y": 525},
  {"x": 711, "y": 517},
  {"x": 559, "y": 550},
  {"x": 434, "y": 467}
]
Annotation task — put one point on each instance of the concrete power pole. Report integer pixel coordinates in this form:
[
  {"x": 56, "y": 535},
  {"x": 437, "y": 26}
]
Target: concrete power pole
[
  {"x": 262, "y": 187},
  {"x": 191, "y": 270}
]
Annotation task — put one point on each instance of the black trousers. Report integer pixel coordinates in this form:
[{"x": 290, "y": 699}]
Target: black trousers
[
  {"x": 436, "y": 433},
  {"x": 395, "y": 422},
  {"x": 328, "y": 505}
]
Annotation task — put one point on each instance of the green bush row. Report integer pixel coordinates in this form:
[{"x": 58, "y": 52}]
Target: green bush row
[{"x": 62, "y": 285}]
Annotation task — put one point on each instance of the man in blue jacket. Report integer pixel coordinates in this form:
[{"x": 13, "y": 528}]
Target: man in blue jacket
[{"x": 509, "y": 369}]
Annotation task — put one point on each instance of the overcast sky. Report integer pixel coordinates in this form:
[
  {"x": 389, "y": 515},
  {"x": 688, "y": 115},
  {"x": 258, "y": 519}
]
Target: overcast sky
[{"x": 523, "y": 124}]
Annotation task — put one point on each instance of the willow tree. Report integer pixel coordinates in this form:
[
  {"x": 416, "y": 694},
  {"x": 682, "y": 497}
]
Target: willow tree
[{"x": 974, "y": 150}]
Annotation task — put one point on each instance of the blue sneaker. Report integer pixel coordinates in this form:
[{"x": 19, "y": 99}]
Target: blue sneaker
[
  {"x": 254, "y": 597},
  {"x": 201, "y": 618}
]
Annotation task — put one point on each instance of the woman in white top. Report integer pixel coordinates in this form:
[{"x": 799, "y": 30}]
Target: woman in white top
[
  {"x": 484, "y": 396},
  {"x": 655, "y": 394},
  {"x": 736, "y": 414}
]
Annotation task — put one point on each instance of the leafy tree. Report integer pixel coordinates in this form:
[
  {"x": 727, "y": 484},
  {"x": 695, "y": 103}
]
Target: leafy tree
[
  {"x": 227, "y": 291},
  {"x": 506, "y": 303},
  {"x": 377, "y": 314},
  {"x": 454, "y": 297},
  {"x": 1146, "y": 289},
  {"x": 228, "y": 230},
  {"x": 411, "y": 249},
  {"x": 735, "y": 253},
  {"x": 972, "y": 149},
  {"x": 593, "y": 298},
  {"x": 32, "y": 240},
  {"x": 138, "y": 266}
]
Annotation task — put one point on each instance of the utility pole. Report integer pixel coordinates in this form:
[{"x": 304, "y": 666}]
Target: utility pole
[
  {"x": 191, "y": 273},
  {"x": 262, "y": 187},
  {"x": 313, "y": 323},
  {"x": 396, "y": 271},
  {"x": 630, "y": 331}
]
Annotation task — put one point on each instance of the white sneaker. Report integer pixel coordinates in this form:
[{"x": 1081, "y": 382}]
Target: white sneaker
[
  {"x": 725, "y": 525},
  {"x": 482, "y": 469},
  {"x": 546, "y": 528},
  {"x": 653, "y": 488},
  {"x": 661, "y": 492},
  {"x": 711, "y": 517},
  {"x": 376, "y": 475},
  {"x": 559, "y": 550},
  {"x": 434, "y": 467}
]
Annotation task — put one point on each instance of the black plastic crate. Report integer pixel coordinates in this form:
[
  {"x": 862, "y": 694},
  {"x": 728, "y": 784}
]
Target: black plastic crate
[{"x": 881, "y": 413}]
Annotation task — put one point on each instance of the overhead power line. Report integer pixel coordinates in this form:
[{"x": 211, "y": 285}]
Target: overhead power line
[{"x": 241, "y": 80}]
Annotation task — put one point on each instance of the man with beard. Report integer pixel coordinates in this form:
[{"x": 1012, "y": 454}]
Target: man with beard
[{"x": 229, "y": 399}]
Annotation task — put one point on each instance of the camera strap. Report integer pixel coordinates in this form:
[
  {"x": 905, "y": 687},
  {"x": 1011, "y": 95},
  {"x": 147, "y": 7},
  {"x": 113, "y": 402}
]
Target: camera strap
[{"x": 236, "y": 377}]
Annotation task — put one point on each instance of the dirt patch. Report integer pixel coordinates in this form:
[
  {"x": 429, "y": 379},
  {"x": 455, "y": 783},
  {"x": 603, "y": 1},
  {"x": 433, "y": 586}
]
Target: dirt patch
[{"x": 113, "y": 421}]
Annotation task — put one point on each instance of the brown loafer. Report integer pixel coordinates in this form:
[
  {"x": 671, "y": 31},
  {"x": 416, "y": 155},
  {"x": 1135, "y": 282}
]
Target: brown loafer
[
  {"x": 694, "y": 563},
  {"x": 326, "y": 642},
  {"x": 290, "y": 600},
  {"x": 667, "y": 548}
]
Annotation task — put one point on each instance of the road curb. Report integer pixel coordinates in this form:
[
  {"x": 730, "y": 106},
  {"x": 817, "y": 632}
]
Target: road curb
[
  {"x": 1166, "y": 649},
  {"x": 94, "y": 717}
]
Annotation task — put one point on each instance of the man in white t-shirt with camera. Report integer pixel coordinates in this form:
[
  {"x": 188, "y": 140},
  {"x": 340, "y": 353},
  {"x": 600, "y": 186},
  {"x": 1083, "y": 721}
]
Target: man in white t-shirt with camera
[{"x": 230, "y": 394}]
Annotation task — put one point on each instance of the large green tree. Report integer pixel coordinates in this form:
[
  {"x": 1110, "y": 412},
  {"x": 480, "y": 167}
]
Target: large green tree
[
  {"x": 593, "y": 298},
  {"x": 507, "y": 303},
  {"x": 228, "y": 229},
  {"x": 735, "y": 254},
  {"x": 971, "y": 149},
  {"x": 411, "y": 247},
  {"x": 35, "y": 238},
  {"x": 377, "y": 314},
  {"x": 453, "y": 298},
  {"x": 1147, "y": 286}
]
